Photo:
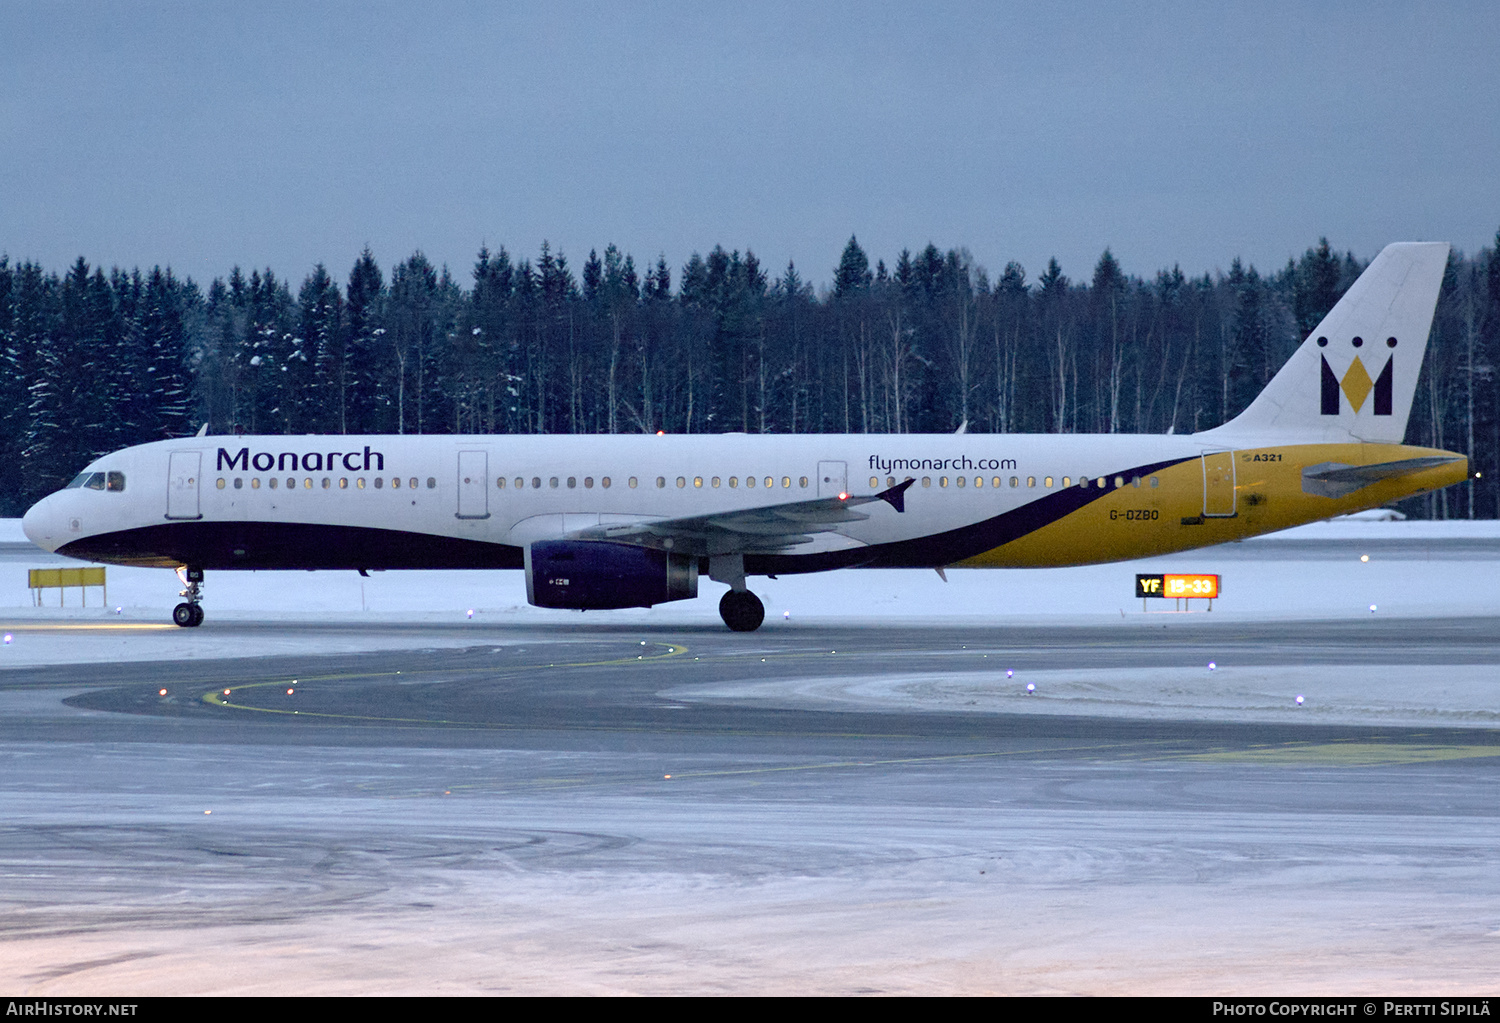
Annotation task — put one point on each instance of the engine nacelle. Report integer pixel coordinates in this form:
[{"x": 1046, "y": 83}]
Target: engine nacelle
[{"x": 598, "y": 574}]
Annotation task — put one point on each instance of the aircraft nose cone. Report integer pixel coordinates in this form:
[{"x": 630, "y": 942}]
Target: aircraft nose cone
[{"x": 40, "y": 525}]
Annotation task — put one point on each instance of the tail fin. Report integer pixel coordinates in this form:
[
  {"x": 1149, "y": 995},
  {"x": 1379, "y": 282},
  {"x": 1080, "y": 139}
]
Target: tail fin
[{"x": 1353, "y": 378}]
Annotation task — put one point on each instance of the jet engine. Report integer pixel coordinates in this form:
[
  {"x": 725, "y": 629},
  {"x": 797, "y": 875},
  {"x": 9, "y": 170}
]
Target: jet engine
[{"x": 598, "y": 575}]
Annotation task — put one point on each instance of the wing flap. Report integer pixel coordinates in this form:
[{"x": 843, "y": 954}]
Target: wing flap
[{"x": 765, "y": 530}]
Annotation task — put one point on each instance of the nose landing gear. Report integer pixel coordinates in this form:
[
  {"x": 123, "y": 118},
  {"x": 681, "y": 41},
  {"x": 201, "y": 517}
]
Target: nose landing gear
[{"x": 189, "y": 614}]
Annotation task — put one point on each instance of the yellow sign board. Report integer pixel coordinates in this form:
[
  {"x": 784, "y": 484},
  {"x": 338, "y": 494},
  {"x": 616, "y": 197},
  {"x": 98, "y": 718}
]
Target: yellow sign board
[
  {"x": 62, "y": 578},
  {"x": 46, "y": 578}
]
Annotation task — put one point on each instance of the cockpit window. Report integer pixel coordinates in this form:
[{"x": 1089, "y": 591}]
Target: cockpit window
[{"x": 98, "y": 481}]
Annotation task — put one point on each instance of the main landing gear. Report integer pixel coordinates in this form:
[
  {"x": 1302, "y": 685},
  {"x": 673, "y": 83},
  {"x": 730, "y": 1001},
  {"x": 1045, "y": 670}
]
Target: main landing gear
[
  {"x": 741, "y": 610},
  {"x": 189, "y": 614}
]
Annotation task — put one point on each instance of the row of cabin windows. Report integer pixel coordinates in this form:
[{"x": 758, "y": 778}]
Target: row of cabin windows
[
  {"x": 116, "y": 481},
  {"x": 327, "y": 483},
  {"x": 996, "y": 482},
  {"x": 606, "y": 482}
]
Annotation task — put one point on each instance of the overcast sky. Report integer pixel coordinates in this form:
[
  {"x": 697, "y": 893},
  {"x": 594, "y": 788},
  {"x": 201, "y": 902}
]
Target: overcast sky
[{"x": 202, "y": 135}]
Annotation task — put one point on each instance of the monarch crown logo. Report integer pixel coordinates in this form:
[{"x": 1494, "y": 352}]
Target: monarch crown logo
[{"x": 1356, "y": 384}]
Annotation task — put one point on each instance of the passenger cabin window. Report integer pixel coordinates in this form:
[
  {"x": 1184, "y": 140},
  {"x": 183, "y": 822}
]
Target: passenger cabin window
[
  {"x": 219, "y": 483},
  {"x": 432, "y": 482},
  {"x": 500, "y": 483}
]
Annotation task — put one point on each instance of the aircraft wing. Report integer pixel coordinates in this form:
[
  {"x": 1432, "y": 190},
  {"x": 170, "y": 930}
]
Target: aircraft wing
[{"x": 768, "y": 529}]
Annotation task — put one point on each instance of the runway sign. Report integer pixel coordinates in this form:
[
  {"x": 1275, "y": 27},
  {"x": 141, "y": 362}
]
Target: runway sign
[{"x": 1177, "y": 586}]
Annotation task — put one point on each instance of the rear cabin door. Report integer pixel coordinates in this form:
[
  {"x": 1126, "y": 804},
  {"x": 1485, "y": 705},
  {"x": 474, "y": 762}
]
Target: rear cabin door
[
  {"x": 1218, "y": 484},
  {"x": 182, "y": 485},
  {"x": 473, "y": 495},
  {"x": 832, "y": 479}
]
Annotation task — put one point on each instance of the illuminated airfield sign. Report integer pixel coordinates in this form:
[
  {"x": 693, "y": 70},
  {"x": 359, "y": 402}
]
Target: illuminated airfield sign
[{"x": 1180, "y": 585}]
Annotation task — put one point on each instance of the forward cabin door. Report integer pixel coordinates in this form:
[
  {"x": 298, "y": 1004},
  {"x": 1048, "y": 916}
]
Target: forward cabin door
[
  {"x": 473, "y": 495},
  {"x": 182, "y": 485},
  {"x": 1218, "y": 484},
  {"x": 833, "y": 479}
]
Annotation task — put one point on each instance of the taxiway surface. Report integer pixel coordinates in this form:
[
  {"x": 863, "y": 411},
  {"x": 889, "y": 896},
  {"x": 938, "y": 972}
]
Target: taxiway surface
[{"x": 814, "y": 808}]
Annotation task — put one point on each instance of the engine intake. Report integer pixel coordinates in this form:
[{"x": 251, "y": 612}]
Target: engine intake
[{"x": 598, "y": 575}]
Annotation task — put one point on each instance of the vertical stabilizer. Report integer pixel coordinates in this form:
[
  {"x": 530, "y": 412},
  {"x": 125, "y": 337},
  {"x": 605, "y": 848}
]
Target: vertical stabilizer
[{"x": 1353, "y": 378}]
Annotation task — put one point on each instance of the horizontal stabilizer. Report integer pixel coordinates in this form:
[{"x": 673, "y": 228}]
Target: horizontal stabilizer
[{"x": 1336, "y": 479}]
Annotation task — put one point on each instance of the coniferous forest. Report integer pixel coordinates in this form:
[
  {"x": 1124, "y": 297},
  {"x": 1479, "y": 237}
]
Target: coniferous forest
[{"x": 94, "y": 360}]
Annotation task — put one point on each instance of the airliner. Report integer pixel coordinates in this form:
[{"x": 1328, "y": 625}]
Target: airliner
[{"x": 600, "y": 522}]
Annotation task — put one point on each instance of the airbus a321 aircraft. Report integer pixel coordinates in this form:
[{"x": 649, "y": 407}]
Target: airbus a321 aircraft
[{"x": 631, "y": 521}]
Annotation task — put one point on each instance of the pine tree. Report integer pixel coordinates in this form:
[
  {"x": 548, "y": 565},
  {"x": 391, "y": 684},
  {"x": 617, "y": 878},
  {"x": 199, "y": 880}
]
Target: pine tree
[
  {"x": 366, "y": 408},
  {"x": 1316, "y": 286},
  {"x": 853, "y": 272},
  {"x": 321, "y": 371}
]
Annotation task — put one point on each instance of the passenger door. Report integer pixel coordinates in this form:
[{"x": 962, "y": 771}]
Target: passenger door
[
  {"x": 1218, "y": 484},
  {"x": 473, "y": 495},
  {"x": 832, "y": 479},
  {"x": 182, "y": 485}
]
